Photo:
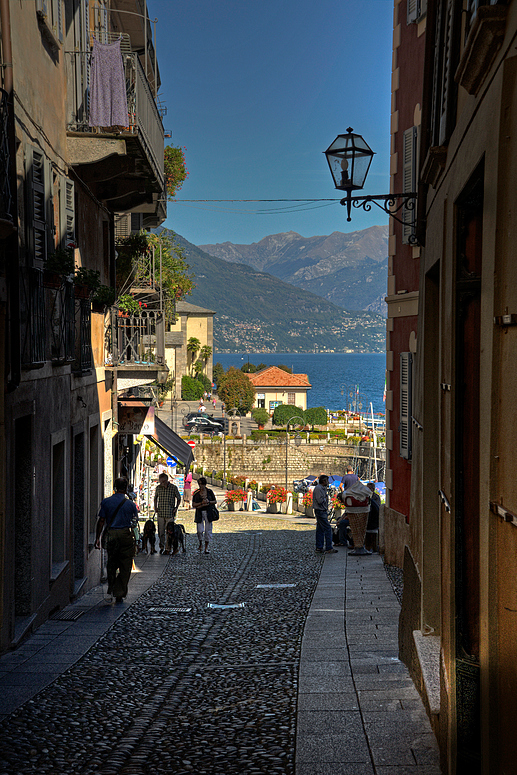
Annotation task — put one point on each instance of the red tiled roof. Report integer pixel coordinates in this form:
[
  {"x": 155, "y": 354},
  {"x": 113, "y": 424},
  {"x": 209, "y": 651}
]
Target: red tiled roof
[{"x": 272, "y": 376}]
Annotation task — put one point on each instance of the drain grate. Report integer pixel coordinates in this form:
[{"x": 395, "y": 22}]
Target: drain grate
[
  {"x": 274, "y": 586},
  {"x": 169, "y": 610},
  {"x": 68, "y": 616},
  {"x": 226, "y": 605}
]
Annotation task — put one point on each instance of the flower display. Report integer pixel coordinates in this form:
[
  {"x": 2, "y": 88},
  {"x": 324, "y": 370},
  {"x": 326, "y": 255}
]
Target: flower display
[
  {"x": 337, "y": 503},
  {"x": 234, "y": 496},
  {"x": 277, "y": 495},
  {"x": 307, "y": 499}
]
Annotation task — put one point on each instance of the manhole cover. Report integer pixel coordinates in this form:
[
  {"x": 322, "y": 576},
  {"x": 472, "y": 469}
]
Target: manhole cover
[
  {"x": 226, "y": 605},
  {"x": 164, "y": 610},
  {"x": 68, "y": 616},
  {"x": 274, "y": 586}
]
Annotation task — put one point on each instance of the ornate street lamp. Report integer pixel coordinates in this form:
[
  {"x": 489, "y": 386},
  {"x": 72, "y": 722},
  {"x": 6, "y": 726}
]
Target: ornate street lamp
[
  {"x": 296, "y": 421},
  {"x": 349, "y": 158}
]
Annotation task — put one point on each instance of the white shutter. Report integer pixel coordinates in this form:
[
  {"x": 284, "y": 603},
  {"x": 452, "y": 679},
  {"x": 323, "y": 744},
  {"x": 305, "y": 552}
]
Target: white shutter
[
  {"x": 122, "y": 225},
  {"x": 406, "y": 368},
  {"x": 409, "y": 158},
  {"x": 67, "y": 213},
  {"x": 412, "y": 11}
]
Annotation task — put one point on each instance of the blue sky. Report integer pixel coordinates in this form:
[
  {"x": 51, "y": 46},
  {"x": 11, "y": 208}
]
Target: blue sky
[{"x": 256, "y": 90}]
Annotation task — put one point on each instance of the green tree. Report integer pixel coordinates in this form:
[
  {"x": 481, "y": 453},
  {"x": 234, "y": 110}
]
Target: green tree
[
  {"x": 236, "y": 391},
  {"x": 205, "y": 353},
  {"x": 284, "y": 412},
  {"x": 193, "y": 347},
  {"x": 217, "y": 372},
  {"x": 285, "y": 368},
  {"x": 191, "y": 389},
  {"x": 316, "y": 415}
]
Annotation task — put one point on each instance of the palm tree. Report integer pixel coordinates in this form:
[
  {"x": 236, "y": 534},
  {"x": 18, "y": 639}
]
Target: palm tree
[
  {"x": 205, "y": 353},
  {"x": 193, "y": 347}
]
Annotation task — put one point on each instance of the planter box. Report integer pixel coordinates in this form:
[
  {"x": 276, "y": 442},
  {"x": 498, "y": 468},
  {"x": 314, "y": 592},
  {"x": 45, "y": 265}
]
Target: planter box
[
  {"x": 272, "y": 508},
  {"x": 309, "y": 511},
  {"x": 234, "y": 505}
]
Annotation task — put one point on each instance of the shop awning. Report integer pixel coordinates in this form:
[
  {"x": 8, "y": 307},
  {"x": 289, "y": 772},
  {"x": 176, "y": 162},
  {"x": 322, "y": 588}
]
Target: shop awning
[
  {"x": 171, "y": 443},
  {"x": 139, "y": 420}
]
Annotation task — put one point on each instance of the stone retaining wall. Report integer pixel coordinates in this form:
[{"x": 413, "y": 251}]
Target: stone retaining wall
[{"x": 267, "y": 461}]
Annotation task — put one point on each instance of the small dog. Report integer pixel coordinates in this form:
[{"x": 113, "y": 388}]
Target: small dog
[
  {"x": 149, "y": 536},
  {"x": 174, "y": 534}
]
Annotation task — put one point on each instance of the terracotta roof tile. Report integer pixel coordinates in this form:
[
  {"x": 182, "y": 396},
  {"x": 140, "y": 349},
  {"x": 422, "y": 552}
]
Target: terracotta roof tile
[{"x": 272, "y": 376}]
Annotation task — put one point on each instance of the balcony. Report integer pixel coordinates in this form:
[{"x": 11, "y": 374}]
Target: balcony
[
  {"x": 124, "y": 169},
  {"x": 134, "y": 346}
]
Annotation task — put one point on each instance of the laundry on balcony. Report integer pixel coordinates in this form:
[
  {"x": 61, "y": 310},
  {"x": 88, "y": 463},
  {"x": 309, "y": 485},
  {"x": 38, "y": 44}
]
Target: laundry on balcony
[{"x": 108, "y": 99}]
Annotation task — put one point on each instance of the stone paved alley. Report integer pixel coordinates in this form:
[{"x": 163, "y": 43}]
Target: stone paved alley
[{"x": 300, "y": 677}]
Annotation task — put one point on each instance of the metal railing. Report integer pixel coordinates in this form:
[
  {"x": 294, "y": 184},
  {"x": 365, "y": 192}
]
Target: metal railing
[
  {"x": 83, "y": 344},
  {"x": 5, "y": 185},
  {"x": 136, "y": 341},
  {"x": 144, "y": 119}
]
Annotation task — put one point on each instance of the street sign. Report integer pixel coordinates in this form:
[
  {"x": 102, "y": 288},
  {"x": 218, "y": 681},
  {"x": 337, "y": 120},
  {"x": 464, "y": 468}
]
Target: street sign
[
  {"x": 191, "y": 444},
  {"x": 172, "y": 462}
]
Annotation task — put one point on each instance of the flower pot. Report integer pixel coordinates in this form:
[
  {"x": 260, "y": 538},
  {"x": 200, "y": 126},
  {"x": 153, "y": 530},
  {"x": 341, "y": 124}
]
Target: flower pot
[
  {"x": 52, "y": 279},
  {"x": 82, "y": 292},
  {"x": 234, "y": 505},
  {"x": 309, "y": 511}
]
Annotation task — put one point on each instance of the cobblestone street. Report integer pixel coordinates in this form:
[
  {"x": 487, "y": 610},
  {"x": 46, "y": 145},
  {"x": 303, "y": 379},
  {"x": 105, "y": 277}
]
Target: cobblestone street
[{"x": 175, "y": 685}]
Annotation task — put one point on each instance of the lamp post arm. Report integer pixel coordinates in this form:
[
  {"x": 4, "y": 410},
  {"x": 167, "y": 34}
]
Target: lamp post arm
[{"x": 389, "y": 203}]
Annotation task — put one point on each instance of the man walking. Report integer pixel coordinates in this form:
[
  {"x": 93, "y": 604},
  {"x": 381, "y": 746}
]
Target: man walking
[
  {"x": 116, "y": 515},
  {"x": 320, "y": 501},
  {"x": 166, "y": 501}
]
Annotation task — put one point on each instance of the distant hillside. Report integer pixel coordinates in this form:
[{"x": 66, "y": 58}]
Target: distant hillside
[
  {"x": 349, "y": 270},
  {"x": 257, "y": 312}
]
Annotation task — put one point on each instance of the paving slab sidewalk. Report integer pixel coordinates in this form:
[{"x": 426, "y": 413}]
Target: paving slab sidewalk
[{"x": 358, "y": 710}]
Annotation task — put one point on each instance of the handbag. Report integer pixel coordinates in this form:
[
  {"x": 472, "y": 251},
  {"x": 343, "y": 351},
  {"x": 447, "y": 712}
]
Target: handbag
[{"x": 214, "y": 513}]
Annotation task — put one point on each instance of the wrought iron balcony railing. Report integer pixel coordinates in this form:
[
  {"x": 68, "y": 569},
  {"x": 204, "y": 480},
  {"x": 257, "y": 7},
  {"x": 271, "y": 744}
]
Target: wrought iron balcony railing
[
  {"x": 144, "y": 119},
  {"x": 135, "y": 341}
]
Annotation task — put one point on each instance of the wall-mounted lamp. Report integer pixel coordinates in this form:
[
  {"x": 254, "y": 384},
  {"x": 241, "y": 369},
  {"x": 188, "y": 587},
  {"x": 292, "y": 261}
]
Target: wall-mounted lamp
[{"x": 349, "y": 158}]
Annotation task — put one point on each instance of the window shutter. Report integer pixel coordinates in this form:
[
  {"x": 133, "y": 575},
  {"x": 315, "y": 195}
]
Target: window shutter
[
  {"x": 447, "y": 82},
  {"x": 57, "y": 19},
  {"x": 406, "y": 368},
  {"x": 412, "y": 11},
  {"x": 67, "y": 213},
  {"x": 122, "y": 225},
  {"x": 36, "y": 205},
  {"x": 409, "y": 157}
]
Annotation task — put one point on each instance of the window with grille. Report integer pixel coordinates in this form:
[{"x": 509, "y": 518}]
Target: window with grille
[{"x": 291, "y": 398}]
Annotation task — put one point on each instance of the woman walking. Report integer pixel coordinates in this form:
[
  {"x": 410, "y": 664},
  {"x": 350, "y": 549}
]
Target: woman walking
[
  {"x": 203, "y": 500},
  {"x": 187, "y": 490}
]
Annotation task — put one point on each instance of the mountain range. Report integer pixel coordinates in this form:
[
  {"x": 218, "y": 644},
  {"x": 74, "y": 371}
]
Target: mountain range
[
  {"x": 349, "y": 270},
  {"x": 256, "y": 312}
]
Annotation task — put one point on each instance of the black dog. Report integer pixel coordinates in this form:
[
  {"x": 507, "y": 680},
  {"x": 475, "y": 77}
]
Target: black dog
[
  {"x": 149, "y": 536},
  {"x": 174, "y": 535}
]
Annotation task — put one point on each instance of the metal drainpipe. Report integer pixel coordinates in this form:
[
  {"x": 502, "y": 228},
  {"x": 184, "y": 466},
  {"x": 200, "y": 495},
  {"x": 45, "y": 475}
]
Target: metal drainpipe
[{"x": 13, "y": 266}]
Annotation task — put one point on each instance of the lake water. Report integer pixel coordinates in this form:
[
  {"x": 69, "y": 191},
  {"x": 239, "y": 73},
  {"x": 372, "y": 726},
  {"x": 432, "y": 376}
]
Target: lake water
[{"x": 337, "y": 379}]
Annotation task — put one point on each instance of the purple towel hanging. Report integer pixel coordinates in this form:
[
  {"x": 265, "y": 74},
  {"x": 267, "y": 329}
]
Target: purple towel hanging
[{"x": 108, "y": 100}]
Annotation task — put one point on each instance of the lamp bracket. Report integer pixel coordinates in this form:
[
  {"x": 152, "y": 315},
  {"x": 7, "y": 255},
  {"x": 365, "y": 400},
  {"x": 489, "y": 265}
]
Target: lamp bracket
[{"x": 388, "y": 203}]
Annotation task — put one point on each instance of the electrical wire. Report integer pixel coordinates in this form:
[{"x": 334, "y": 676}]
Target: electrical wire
[{"x": 294, "y": 206}]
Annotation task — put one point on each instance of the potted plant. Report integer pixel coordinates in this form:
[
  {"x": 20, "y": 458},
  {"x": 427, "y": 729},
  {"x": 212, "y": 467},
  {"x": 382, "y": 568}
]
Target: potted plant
[
  {"x": 58, "y": 267},
  {"x": 234, "y": 499},
  {"x": 275, "y": 497},
  {"x": 307, "y": 503},
  {"x": 86, "y": 282},
  {"x": 261, "y": 417},
  {"x": 338, "y": 506},
  {"x": 128, "y": 305},
  {"x": 103, "y": 297}
]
